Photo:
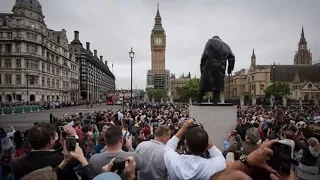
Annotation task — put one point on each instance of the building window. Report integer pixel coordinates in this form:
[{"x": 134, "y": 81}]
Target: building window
[
  {"x": 8, "y": 48},
  {"x": 48, "y": 68},
  {"x": 57, "y": 71},
  {"x": 57, "y": 84},
  {"x": 53, "y": 83},
  {"x": 32, "y": 49},
  {"x": 18, "y": 63},
  {"x": 18, "y": 46},
  {"x": 32, "y": 36},
  {"x": 309, "y": 86},
  {"x": 9, "y": 34},
  {"x": 0, "y": 63},
  {"x": 53, "y": 70},
  {"x": 57, "y": 59},
  {"x": 252, "y": 78},
  {"x": 18, "y": 21},
  {"x": 1, "y": 34},
  {"x": 34, "y": 64},
  {"x": 262, "y": 87},
  {"x": 18, "y": 79},
  {"x": 8, "y": 78},
  {"x": 33, "y": 80},
  {"x": 8, "y": 63},
  {"x": 43, "y": 81},
  {"x": 42, "y": 66},
  {"x": 48, "y": 82},
  {"x": 0, "y": 79}
]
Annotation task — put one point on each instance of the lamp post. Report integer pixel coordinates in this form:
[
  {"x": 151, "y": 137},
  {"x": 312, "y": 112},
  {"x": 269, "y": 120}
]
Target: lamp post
[
  {"x": 273, "y": 83},
  {"x": 131, "y": 55},
  {"x": 273, "y": 78},
  {"x": 27, "y": 87}
]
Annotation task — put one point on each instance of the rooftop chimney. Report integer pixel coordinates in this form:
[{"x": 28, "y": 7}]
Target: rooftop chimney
[
  {"x": 106, "y": 63},
  {"x": 101, "y": 58},
  {"x": 88, "y": 45},
  {"x": 76, "y": 35},
  {"x": 95, "y": 52}
]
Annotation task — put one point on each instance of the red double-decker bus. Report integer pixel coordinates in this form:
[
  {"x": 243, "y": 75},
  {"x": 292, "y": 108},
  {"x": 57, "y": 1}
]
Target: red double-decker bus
[{"x": 110, "y": 100}]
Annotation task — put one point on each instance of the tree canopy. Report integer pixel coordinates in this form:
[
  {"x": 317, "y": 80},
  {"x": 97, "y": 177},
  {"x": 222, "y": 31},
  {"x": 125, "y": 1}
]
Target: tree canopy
[
  {"x": 189, "y": 90},
  {"x": 157, "y": 94},
  {"x": 280, "y": 90}
]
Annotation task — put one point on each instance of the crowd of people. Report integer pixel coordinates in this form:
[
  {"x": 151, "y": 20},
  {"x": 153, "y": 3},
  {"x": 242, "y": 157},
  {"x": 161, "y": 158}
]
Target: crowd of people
[{"x": 162, "y": 142}]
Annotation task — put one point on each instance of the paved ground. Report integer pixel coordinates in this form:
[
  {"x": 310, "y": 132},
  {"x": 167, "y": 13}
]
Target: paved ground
[{"x": 25, "y": 121}]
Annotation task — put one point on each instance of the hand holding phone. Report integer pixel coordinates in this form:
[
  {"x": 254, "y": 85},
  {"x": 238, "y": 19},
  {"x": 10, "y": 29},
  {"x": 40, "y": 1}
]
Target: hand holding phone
[
  {"x": 71, "y": 143},
  {"x": 118, "y": 164},
  {"x": 281, "y": 159}
]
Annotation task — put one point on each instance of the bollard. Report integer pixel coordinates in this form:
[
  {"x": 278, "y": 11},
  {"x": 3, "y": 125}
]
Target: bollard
[
  {"x": 12, "y": 111},
  {"x": 31, "y": 109},
  {"x": 2, "y": 112},
  {"x": 22, "y": 110},
  {"x": 51, "y": 119}
]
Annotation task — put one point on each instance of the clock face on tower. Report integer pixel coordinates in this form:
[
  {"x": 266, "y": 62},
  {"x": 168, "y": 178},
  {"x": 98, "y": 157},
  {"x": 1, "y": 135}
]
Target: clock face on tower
[{"x": 158, "y": 41}]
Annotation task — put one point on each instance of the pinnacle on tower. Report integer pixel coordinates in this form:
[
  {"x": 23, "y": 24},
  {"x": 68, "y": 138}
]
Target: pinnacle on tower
[
  {"x": 158, "y": 13},
  {"x": 302, "y": 39},
  {"x": 253, "y": 54}
]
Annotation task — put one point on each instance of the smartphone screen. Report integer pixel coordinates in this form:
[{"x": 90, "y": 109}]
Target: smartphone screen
[
  {"x": 71, "y": 143},
  {"x": 61, "y": 129},
  {"x": 281, "y": 159}
]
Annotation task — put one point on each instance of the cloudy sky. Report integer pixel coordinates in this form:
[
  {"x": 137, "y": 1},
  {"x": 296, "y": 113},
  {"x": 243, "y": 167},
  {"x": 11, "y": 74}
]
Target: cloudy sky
[{"x": 271, "y": 27}]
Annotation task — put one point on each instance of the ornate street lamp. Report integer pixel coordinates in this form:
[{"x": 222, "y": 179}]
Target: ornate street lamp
[
  {"x": 273, "y": 78},
  {"x": 27, "y": 87},
  {"x": 131, "y": 55}
]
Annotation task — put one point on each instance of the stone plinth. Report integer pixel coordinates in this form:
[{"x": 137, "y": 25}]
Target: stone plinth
[{"x": 218, "y": 120}]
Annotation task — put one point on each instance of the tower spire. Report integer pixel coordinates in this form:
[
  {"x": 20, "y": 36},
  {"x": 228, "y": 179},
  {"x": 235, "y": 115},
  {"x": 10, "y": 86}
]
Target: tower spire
[
  {"x": 302, "y": 39},
  {"x": 158, "y": 13},
  {"x": 253, "y": 54},
  {"x": 302, "y": 33}
]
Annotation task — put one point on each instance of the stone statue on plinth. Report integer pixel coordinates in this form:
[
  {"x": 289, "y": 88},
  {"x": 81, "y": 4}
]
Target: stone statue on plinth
[
  {"x": 222, "y": 98},
  {"x": 300, "y": 101},
  {"x": 213, "y": 66},
  {"x": 242, "y": 101},
  {"x": 272, "y": 101},
  {"x": 284, "y": 101},
  {"x": 254, "y": 100},
  {"x": 171, "y": 99}
]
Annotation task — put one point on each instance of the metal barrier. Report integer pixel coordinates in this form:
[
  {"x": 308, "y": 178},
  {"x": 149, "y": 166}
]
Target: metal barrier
[{"x": 20, "y": 109}]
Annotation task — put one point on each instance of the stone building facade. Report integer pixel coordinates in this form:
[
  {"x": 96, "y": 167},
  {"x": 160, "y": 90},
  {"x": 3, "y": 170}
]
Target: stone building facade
[
  {"x": 234, "y": 85},
  {"x": 302, "y": 77},
  {"x": 178, "y": 82},
  {"x": 35, "y": 63},
  {"x": 96, "y": 79}
]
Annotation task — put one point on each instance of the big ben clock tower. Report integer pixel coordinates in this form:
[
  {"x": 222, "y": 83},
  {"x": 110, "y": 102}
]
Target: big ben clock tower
[{"x": 158, "y": 46}]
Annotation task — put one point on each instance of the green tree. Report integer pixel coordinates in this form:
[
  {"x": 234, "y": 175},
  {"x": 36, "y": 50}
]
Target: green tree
[
  {"x": 280, "y": 90},
  {"x": 157, "y": 94},
  {"x": 189, "y": 90}
]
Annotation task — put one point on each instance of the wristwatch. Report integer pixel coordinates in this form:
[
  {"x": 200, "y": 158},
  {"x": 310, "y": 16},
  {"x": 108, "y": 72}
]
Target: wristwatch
[{"x": 243, "y": 159}]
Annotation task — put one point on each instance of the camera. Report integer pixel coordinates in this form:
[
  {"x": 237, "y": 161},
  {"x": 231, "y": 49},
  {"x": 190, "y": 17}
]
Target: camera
[
  {"x": 194, "y": 124},
  {"x": 118, "y": 164}
]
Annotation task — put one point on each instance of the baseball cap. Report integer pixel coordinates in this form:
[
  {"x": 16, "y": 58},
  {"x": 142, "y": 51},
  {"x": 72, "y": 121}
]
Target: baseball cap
[{"x": 107, "y": 176}]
